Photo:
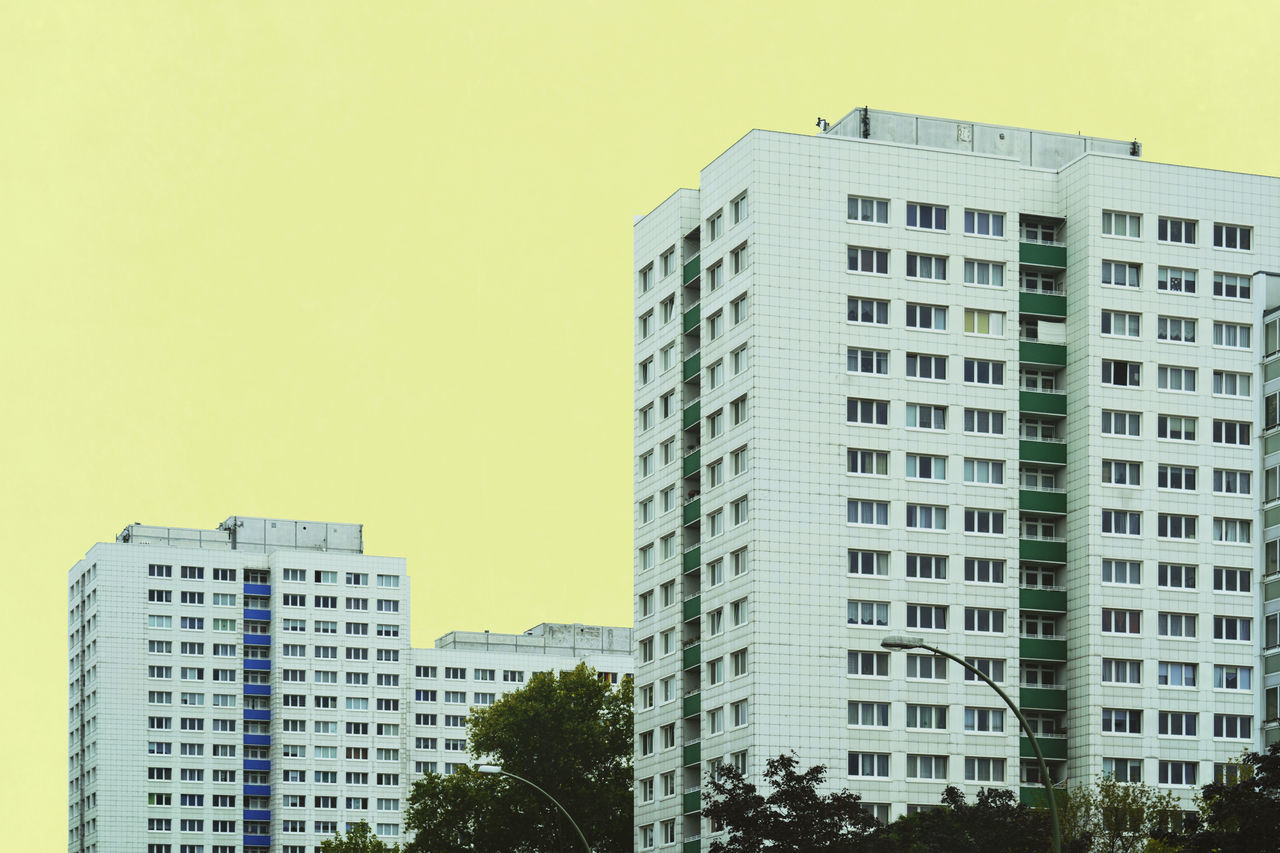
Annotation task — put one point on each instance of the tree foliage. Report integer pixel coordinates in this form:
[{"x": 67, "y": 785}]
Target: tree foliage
[
  {"x": 1242, "y": 814},
  {"x": 569, "y": 734},
  {"x": 1114, "y": 817},
  {"x": 996, "y": 823},
  {"x": 793, "y": 818},
  {"x": 359, "y": 839}
]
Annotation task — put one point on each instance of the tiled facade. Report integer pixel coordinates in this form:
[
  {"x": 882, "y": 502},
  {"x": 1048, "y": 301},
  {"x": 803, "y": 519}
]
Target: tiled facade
[
  {"x": 253, "y": 688},
  {"x": 997, "y": 388}
]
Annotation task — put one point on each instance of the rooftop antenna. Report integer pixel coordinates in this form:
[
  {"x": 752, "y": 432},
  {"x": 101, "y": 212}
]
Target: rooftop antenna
[
  {"x": 1135, "y": 150},
  {"x": 823, "y": 124},
  {"x": 866, "y": 122}
]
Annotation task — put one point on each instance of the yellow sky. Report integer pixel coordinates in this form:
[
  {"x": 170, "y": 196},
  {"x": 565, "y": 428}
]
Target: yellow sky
[{"x": 371, "y": 261}]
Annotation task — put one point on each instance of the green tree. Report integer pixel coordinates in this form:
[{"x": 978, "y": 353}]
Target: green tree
[
  {"x": 571, "y": 735},
  {"x": 359, "y": 839},
  {"x": 793, "y": 818},
  {"x": 1241, "y": 814},
  {"x": 1115, "y": 817},
  {"x": 996, "y": 823}
]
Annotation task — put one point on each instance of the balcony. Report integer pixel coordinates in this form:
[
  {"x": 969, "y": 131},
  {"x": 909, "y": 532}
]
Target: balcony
[
  {"x": 693, "y": 317},
  {"x": 1042, "y": 304},
  {"x": 692, "y": 414},
  {"x": 1039, "y": 352},
  {"x": 692, "y": 607},
  {"x": 1053, "y": 748},
  {"x": 1042, "y": 648},
  {"x": 693, "y": 461},
  {"x": 692, "y": 511},
  {"x": 257, "y": 713},
  {"x": 692, "y": 366},
  {"x": 692, "y": 268},
  {"x": 257, "y": 615},
  {"x": 257, "y": 790},
  {"x": 1039, "y": 598},
  {"x": 1043, "y": 254},
  {"x": 257, "y": 814},
  {"x": 692, "y": 754},
  {"x": 693, "y": 656},
  {"x": 1042, "y": 699},
  {"x": 257, "y": 664},
  {"x": 257, "y": 740},
  {"x": 692, "y": 802},
  {"x": 1042, "y": 500},
  {"x": 1042, "y": 402},
  {"x": 257, "y": 639},
  {"x": 1036, "y": 797},
  {"x": 257, "y": 589},
  {"x": 691, "y": 845},
  {"x": 1042, "y": 550},
  {"x": 692, "y": 559},
  {"x": 693, "y": 705},
  {"x": 1049, "y": 451},
  {"x": 257, "y": 764},
  {"x": 263, "y": 841},
  {"x": 257, "y": 690}
]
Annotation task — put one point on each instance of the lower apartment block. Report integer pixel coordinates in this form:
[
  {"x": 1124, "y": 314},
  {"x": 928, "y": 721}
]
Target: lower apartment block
[{"x": 253, "y": 688}]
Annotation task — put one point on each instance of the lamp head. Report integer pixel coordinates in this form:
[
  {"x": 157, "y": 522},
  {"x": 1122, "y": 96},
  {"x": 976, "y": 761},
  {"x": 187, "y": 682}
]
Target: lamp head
[
  {"x": 898, "y": 642},
  {"x": 488, "y": 768}
]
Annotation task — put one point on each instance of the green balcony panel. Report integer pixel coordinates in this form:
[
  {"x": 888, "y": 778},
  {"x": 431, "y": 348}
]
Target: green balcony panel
[
  {"x": 693, "y": 705},
  {"x": 1042, "y": 550},
  {"x": 1035, "y": 796},
  {"x": 692, "y": 607},
  {"x": 694, "y": 846},
  {"x": 1271, "y": 517},
  {"x": 1038, "y": 352},
  {"x": 1270, "y": 370},
  {"x": 1271, "y": 663},
  {"x": 1037, "y": 501},
  {"x": 693, "y": 462},
  {"x": 692, "y": 318},
  {"x": 692, "y": 268},
  {"x": 1054, "y": 600},
  {"x": 1051, "y": 452},
  {"x": 692, "y": 802},
  {"x": 1041, "y": 255},
  {"x": 692, "y": 366},
  {"x": 1052, "y": 748},
  {"x": 692, "y": 414},
  {"x": 693, "y": 559},
  {"x": 1042, "y": 403},
  {"x": 692, "y": 655},
  {"x": 692, "y": 754},
  {"x": 692, "y": 511},
  {"x": 1043, "y": 304},
  {"x": 1042, "y": 699},
  {"x": 1039, "y": 648},
  {"x": 1271, "y": 590}
]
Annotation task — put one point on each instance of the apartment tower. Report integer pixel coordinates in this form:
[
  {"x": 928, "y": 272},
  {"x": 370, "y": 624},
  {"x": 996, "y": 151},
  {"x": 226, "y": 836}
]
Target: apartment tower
[{"x": 998, "y": 388}]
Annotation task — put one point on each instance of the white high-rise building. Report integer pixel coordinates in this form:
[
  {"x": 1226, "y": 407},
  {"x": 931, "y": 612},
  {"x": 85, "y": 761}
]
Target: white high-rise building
[
  {"x": 999, "y": 388},
  {"x": 253, "y": 688}
]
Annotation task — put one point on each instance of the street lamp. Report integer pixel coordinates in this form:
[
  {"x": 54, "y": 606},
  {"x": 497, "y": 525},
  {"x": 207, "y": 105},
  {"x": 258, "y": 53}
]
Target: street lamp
[
  {"x": 901, "y": 642},
  {"x": 495, "y": 770}
]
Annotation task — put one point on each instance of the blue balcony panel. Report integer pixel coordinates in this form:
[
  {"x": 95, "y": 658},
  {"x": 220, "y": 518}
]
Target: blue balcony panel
[
  {"x": 257, "y": 841},
  {"x": 257, "y": 740},
  {"x": 257, "y": 764},
  {"x": 257, "y": 589},
  {"x": 257, "y": 639},
  {"x": 257, "y": 714},
  {"x": 257, "y": 814},
  {"x": 257, "y": 663},
  {"x": 259, "y": 615},
  {"x": 257, "y": 790},
  {"x": 257, "y": 690}
]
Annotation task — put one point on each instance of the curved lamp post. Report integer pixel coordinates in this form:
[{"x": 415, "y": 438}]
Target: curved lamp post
[
  {"x": 495, "y": 770},
  {"x": 900, "y": 642}
]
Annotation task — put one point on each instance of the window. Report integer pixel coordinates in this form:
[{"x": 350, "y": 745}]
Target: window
[
  {"x": 738, "y": 360},
  {"x": 926, "y": 517},
  {"x": 983, "y": 223},
  {"x": 983, "y": 769},
  {"x": 926, "y": 467},
  {"x": 1176, "y": 427},
  {"x": 870, "y": 311},
  {"x": 1230, "y": 286},
  {"x": 869, "y": 663},
  {"x": 1176, "y": 576},
  {"x": 646, "y": 418},
  {"x": 738, "y": 662},
  {"x": 927, "y": 667},
  {"x": 715, "y": 226},
  {"x": 715, "y": 375},
  {"x": 1177, "y": 329},
  {"x": 1121, "y": 621},
  {"x": 1121, "y": 324},
  {"x": 986, "y": 273},
  {"x": 920, "y": 366},
  {"x": 984, "y": 620},
  {"x": 1236, "y": 628},
  {"x": 987, "y": 471},
  {"x": 983, "y": 521},
  {"x": 738, "y": 211},
  {"x": 983, "y": 422},
  {"x": 1176, "y": 674},
  {"x": 738, "y": 309},
  {"x": 869, "y": 714},
  {"x": 932, "y": 317},
  {"x": 1231, "y": 482},
  {"x": 871, "y": 412},
  {"x": 1230, "y": 384},
  {"x": 983, "y": 570},
  {"x": 1176, "y": 477},
  {"x": 1172, "y": 526},
  {"x": 1171, "y": 230},
  {"x": 931, "y": 267},
  {"x": 927, "y": 617},
  {"x": 992, "y": 668},
  {"x": 1117, "y": 472},
  {"x": 715, "y": 423},
  {"x": 982, "y": 372},
  {"x": 1230, "y": 432},
  {"x": 867, "y": 512},
  {"x": 1117, "y": 224},
  {"x": 1176, "y": 625},
  {"x": 868, "y": 210},
  {"x": 1178, "y": 723},
  {"x": 868, "y": 562},
  {"x": 738, "y": 511},
  {"x": 875, "y": 361},
  {"x": 1231, "y": 335},
  {"x": 1232, "y": 677},
  {"x": 926, "y": 417},
  {"x": 869, "y": 462},
  {"x": 874, "y": 261},
  {"x": 1121, "y": 522},
  {"x": 988, "y": 720},
  {"x": 869, "y": 764},
  {"x": 738, "y": 259},
  {"x": 1120, "y": 274},
  {"x": 715, "y": 276},
  {"x": 1238, "y": 726},
  {"x": 926, "y": 766},
  {"x": 1122, "y": 721},
  {"x": 1177, "y": 280},
  {"x": 1227, "y": 579},
  {"x": 869, "y": 613},
  {"x": 1121, "y": 423},
  {"x": 1118, "y": 671},
  {"x": 983, "y": 323},
  {"x": 1124, "y": 373},
  {"x": 1232, "y": 236},
  {"x": 929, "y": 216}
]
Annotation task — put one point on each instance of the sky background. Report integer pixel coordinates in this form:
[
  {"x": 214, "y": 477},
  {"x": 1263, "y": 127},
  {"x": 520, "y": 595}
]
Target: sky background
[{"x": 372, "y": 262}]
